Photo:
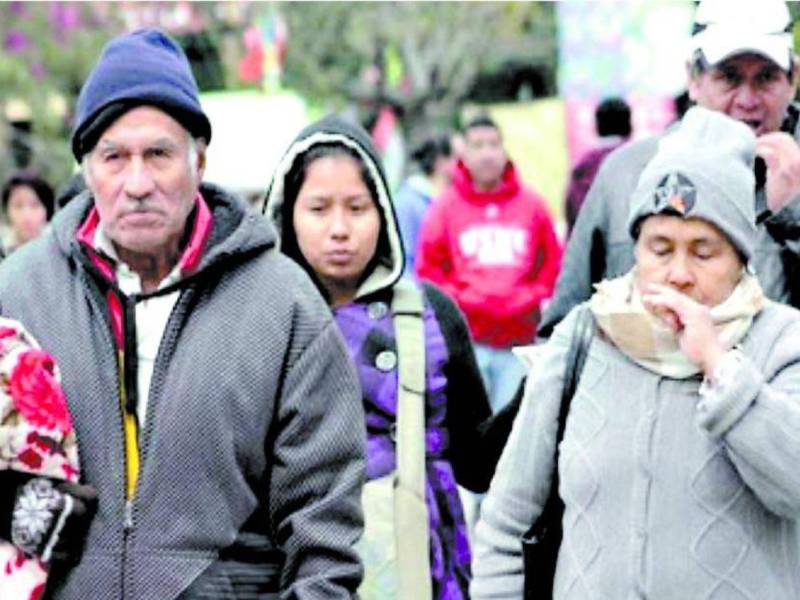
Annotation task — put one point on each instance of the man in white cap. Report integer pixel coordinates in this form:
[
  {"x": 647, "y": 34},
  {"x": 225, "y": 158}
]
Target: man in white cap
[{"x": 742, "y": 63}]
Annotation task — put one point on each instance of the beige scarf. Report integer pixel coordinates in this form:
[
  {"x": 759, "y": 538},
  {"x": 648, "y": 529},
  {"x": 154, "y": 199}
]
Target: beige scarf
[{"x": 647, "y": 340}]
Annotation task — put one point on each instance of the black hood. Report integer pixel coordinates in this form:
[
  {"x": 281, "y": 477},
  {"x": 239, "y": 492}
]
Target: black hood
[{"x": 332, "y": 129}]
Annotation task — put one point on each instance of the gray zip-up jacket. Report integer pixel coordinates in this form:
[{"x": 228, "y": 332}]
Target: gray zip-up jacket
[
  {"x": 251, "y": 460},
  {"x": 601, "y": 247},
  {"x": 667, "y": 493}
]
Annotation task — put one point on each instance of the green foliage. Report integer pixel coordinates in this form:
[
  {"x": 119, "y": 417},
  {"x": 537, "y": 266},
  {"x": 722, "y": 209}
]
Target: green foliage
[
  {"x": 48, "y": 49},
  {"x": 341, "y": 52},
  {"x": 419, "y": 56}
]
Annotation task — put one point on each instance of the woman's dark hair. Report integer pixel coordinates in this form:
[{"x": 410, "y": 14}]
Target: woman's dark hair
[
  {"x": 294, "y": 180},
  {"x": 40, "y": 187},
  {"x": 427, "y": 152}
]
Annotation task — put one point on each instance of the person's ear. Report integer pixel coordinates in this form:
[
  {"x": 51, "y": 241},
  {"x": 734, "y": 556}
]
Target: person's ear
[
  {"x": 691, "y": 82},
  {"x": 201, "y": 158},
  {"x": 795, "y": 71}
]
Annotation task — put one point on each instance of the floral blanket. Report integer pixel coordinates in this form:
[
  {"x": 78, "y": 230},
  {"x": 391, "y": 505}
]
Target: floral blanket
[{"x": 36, "y": 437}]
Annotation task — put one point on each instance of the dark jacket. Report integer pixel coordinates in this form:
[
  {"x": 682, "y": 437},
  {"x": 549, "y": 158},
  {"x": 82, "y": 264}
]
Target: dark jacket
[{"x": 250, "y": 468}]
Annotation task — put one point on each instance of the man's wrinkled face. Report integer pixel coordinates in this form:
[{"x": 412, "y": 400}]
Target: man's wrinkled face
[
  {"x": 747, "y": 87},
  {"x": 145, "y": 172}
]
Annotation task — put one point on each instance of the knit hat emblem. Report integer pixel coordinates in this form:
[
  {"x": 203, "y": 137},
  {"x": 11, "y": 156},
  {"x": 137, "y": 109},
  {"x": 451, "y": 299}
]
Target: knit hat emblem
[
  {"x": 702, "y": 169},
  {"x": 675, "y": 192}
]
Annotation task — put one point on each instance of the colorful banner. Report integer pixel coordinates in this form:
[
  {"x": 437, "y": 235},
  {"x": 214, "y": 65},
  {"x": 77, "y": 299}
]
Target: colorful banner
[
  {"x": 533, "y": 135},
  {"x": 628, "y": 48},
  {"x": 265, "y": 53}
]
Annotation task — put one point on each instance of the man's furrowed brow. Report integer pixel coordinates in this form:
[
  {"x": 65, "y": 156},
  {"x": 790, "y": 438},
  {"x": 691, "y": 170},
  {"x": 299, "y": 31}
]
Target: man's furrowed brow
[
  {"x": 164, "y": 142},
  {"x": 159, "y": 143},
  {"x": 107, "y": 145}
]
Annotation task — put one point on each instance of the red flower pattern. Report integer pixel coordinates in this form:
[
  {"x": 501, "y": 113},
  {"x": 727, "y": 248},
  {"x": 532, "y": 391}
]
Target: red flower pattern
[
  {"x": 30, "y": 458},
  {"x": 36, "y": 394},
  {"x": 45, "y": 443},
  {"x": 70, "y": 472},
  {"x": 5, "y": 333},
  {"x": 37, "y": 592},
  {"x": 37, "y": 397}
]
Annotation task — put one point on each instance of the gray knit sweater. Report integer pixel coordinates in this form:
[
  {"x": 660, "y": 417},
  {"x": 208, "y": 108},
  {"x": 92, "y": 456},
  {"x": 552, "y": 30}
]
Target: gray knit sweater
[
  {"x": 253, "y": 449},
  {"x": 667, "y": 495}
]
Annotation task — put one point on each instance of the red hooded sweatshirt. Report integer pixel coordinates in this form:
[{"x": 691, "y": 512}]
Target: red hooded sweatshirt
[{"x": 496, "y": 253}]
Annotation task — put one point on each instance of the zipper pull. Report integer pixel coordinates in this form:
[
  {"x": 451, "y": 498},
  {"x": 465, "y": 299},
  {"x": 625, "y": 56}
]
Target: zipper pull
[{"x": 128, "y": 522}]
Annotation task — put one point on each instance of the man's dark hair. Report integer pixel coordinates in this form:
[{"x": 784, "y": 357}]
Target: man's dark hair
[
  {"x": 39, "y": 186},
  {"x": 428, "y": 151},
  {"x": 480, "y": 121},
  {"x": 613, "y": 117}
]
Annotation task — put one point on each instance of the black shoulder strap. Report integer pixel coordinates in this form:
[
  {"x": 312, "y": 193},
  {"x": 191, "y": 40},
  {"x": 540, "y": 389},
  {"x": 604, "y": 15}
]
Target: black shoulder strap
[{"x": 576, "y": 359}]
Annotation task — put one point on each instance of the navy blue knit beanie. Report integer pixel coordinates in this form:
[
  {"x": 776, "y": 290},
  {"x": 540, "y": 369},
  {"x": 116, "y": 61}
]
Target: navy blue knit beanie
[{"x": 145, "y": 67}]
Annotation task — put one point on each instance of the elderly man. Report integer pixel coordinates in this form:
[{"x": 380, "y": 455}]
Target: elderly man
[
  {"x": 743, "y": 64},
  {"x": 214, "y": 402}
]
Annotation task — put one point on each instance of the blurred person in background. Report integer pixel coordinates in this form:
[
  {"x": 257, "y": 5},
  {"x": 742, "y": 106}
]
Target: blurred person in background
[
  {"x": 435, "y": 160},
  {"x": 612, "y": 121},
  {"x": 331, "y": 203},
  {"x": 742, "y": 63},
  {"x": 28, "y": 204},
  {"x": 677, "y": 468},
  {"x": 489, "y": 242}
]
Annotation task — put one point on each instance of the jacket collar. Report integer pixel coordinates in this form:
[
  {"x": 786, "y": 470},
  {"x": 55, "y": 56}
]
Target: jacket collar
[
  {"x": 229, "y": 229},
  {"x": 90, "y": 232}
]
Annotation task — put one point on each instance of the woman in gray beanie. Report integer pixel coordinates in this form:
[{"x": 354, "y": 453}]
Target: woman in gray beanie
[{"x": 677, "y": 463}]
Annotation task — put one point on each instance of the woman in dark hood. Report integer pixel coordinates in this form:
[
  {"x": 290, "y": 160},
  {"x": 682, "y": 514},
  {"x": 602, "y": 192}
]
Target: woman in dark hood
[{"x": 331, "y": 205}]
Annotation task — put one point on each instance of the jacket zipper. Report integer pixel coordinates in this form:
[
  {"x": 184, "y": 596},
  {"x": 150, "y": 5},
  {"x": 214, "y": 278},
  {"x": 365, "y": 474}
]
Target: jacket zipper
[
  {"x": 127, "y": 405},
  {"x": 127, "y": 507},
  {"x": 122, "y": 397},
  {"x": 128, "y": 519}
]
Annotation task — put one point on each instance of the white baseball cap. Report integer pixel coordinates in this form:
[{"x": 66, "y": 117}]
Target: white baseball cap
[{"x": 725, "y": 28}]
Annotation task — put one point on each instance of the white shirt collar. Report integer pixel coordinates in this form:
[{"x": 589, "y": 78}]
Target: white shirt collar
[{"x": 128, "y": 280}]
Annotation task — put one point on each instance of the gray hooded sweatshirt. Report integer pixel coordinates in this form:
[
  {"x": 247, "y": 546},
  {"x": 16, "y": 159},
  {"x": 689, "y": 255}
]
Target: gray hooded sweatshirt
[{"x": 251, "y": 468}]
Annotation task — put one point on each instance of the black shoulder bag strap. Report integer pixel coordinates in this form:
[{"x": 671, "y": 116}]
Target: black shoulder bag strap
[{"x": 542, "y": 541}]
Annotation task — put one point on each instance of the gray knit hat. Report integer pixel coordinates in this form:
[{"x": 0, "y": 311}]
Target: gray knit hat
[{"x": 702, "y": 169}]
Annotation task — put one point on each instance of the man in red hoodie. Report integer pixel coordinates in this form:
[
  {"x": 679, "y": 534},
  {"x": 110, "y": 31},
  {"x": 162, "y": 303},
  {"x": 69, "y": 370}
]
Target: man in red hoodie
[{"x": 489, "y": 242}]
